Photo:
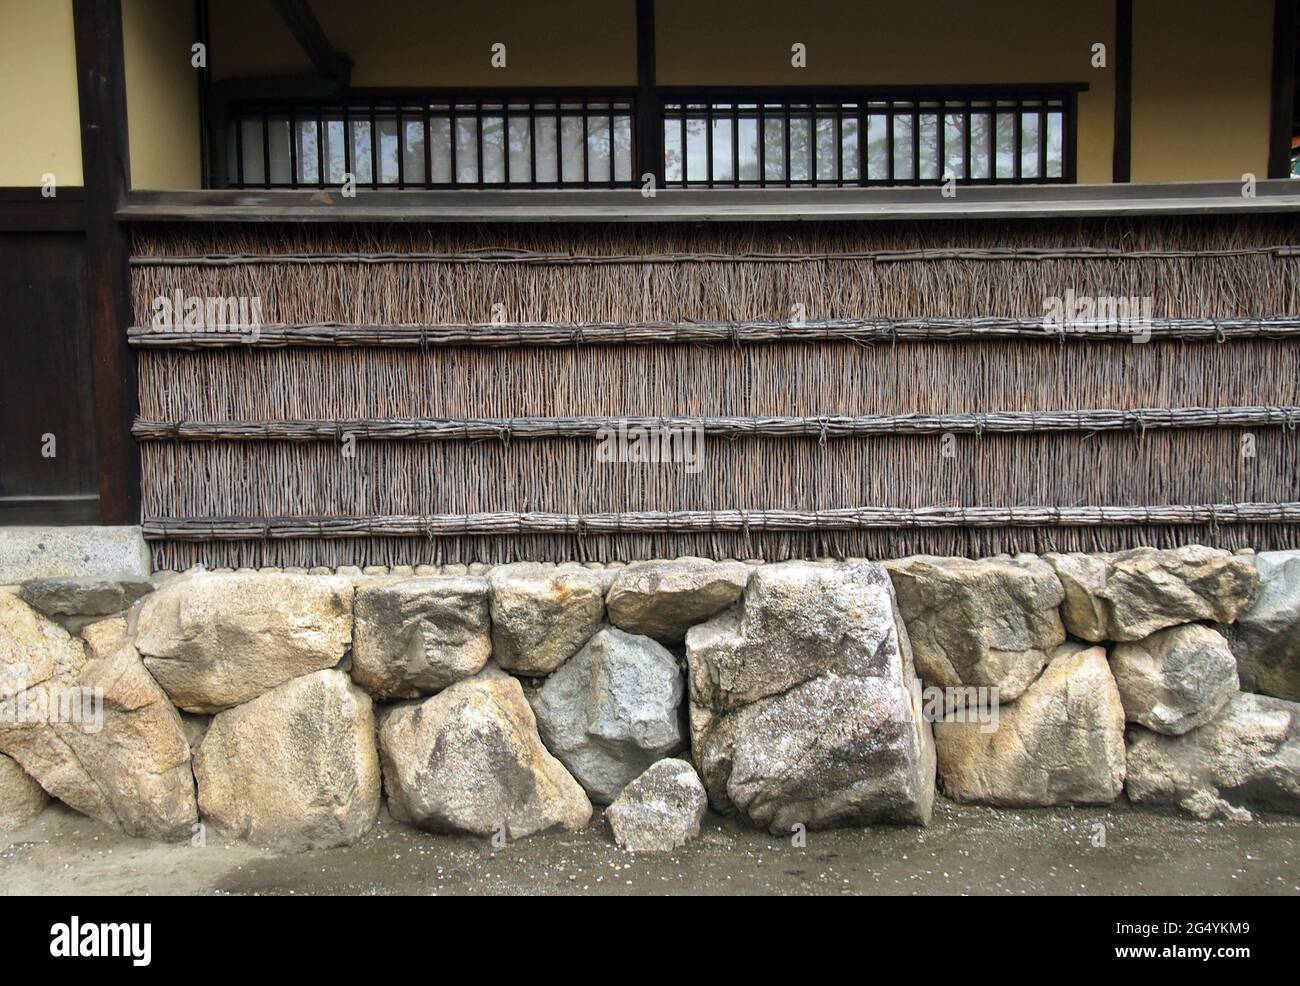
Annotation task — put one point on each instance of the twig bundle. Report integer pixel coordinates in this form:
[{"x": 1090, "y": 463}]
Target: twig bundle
[
  {"x": 570, "y": 476},
  {"x": 435, "y": 525},
  {"x": 880, "y": 543},
  {"x": 501, "y": 334},
  {"x": 831, "y": 378},
  {"x": 1192, "y": 267},
  {"x": 822, "y": 427}
]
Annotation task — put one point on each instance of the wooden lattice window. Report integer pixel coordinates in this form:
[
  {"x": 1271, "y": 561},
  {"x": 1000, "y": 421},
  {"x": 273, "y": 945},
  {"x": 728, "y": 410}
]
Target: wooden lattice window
[
  {"x": 921, "y": 137},
  {"x": 457, "y": 141}
]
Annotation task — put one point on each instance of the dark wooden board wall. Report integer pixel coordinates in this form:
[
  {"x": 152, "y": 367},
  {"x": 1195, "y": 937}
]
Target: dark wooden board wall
[{"x": 45, "y": 369}]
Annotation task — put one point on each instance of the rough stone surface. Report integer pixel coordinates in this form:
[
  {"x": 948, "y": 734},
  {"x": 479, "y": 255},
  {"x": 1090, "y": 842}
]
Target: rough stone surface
[
  {"x": 66, "y": 596},
  {"x": 989, "y": 623},
  {"x": 1248, "y": 757},
  {"x": 104, "y": 637},
  {"x": 81, "y": 552},
  {"x": 1176, "y": 679},
  {"x": 661, "y": 810},
  {"x": 542, "y": 614},
  {"x": 801, "y": 703},
  {"x": 295, "y": 768},
  {"x": 33, "y": 648},
  {"x": 214, "y": 641},
  {"x": 1061, "y": 742},
  {"x": 21, "y": 798},
  {"x": 141, "y": 758},
  {"x": 469, "y": 760},
  {"x": 1266, "y": 637},
  {"x": 39, "y": 662},
  {"x": 612, "y": 710},
  {"x": 664, "y": 599},
  {"x": 97, "y": 734},
  {"x": 419, "y": 635},
  {"x": 1129, "y": 595}
]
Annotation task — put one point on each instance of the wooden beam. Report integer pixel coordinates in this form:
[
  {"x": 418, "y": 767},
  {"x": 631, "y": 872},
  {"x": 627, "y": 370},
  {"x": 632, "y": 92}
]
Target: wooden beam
[
  {"x": 101, "y": 88},
  {"x": 306, "y": 30},
  {"x": 70, "y": 509},
  {"x": 1282, "y": 111},
  {"x": 710, "y": 205},
  {"x": 1122, "y": 162},
  {"x": 26, "y": 210}
]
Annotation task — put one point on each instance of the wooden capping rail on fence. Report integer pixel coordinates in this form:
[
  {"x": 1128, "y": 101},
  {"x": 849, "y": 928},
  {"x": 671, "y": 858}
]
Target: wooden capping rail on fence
[
  {"x": 740, "y": 521},
  {"x": 561, "y": 258},
  {"x": 512, "y": 334},
  {"x": 822, "y": 427}
]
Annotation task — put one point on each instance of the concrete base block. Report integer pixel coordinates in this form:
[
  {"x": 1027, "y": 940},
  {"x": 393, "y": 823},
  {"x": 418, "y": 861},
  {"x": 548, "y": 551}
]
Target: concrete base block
[{"x": 42, "y": 552}]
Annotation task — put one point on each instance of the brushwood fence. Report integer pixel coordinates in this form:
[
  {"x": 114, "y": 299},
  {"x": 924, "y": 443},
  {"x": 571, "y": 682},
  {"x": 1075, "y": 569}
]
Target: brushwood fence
[{"x": 434, "y": 393}]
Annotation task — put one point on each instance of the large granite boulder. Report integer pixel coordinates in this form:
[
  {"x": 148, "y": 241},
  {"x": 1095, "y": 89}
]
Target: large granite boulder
[
  {"x": 295, "y": 768},
  {"x": 661, "y": 810},
  {"x": 417, "y": 636},
  {"x": 802, "y": 704},
  {"x": 214, "y": 641},
  {"x": 39, "y": 665},
  {"x": 62, "y": 596},
  {"x": 141, "y": 758},
  {"x": 612, "y": 710},
  {"x": 1266, "y": 637},
  {"x": 21, "y": 798},
  {"x": 1061, "y": 742},
  {"x": 97, "y": 734},
  {"x": 33, "y": 648},
  {"x": 1129, "y": 595},
  {"x": 542, "y": 614},
  {"x": 469, "y": 760},
  {"x": 1248, "y": 757},
  {"x": 988, "y": 623},
  {"x": 664, "y": 599},
  {"x": 1176, "y": 679}
]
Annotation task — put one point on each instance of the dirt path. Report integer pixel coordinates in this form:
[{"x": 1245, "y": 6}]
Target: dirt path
[{"x": 966, "y": 850}]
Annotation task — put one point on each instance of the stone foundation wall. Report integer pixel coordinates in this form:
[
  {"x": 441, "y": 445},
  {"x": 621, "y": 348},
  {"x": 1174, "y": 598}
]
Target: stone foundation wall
[{"x": 285, "y": 707}]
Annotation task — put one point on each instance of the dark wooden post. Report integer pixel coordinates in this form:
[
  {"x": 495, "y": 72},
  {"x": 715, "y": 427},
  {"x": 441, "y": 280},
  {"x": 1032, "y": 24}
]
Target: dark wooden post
[
  {"x": 206, "y": 138},
  {"x": 1282, "y": 111},
  {"x": 1122, "y": 59},
  {"x": 649, "y": 125},
  {"x": 101, "y": 88}
]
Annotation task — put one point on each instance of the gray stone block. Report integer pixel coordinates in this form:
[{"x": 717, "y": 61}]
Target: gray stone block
[{"x": 45, "y": 552}]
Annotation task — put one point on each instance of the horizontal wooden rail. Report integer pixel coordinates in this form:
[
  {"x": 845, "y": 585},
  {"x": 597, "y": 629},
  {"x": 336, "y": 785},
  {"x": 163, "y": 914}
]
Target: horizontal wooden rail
[
  {"x": 670, "y": 206},
  {"x": 551, "y": 334},
  {"x": 822, "y": 426},
  {"x": 562, "y": 259},
  {"x": 741, "y": 521}
]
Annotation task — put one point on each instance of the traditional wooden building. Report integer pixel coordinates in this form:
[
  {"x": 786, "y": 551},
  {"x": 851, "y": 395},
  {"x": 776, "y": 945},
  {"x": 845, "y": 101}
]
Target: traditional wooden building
[{"x": 312, "y": 282}]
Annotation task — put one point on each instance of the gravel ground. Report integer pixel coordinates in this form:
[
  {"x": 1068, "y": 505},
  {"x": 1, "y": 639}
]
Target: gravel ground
[{"x": 967, "y": 850}]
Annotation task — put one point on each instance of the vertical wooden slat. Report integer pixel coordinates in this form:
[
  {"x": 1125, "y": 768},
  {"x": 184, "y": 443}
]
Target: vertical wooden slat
[
  {"x": 968, "y": 124},
  {"x": 425, "y": 112}
]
